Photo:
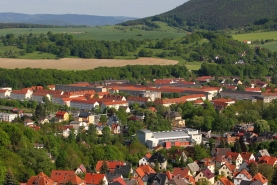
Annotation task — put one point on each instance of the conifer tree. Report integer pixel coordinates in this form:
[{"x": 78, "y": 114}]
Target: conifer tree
[{"x": 9, "y": 179}]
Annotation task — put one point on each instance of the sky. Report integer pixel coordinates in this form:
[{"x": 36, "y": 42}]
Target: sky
[{"x": 130, "y": 8}]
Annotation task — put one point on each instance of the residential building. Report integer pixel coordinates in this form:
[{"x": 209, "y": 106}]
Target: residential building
[
  {"x": 139, "y": 100},
  {"x": 272, "y": 161},
  {"x": 95, "y": 179},
  {"x": 239, "y": 95},
  {"x": 261, "y": 178},
  {"x": 262, "y": 153},
  {"x": 25, "y": 94},
  {"x": 223, "y": 181},
  {"x": 59, "y": 175},
  {"x": 144, "y": 159},
  {"x": 81, "y": 169},
  {"x": 247, "y": 156},
  {"x": 38, "y": 96},
  {"x": 194, "y": 168},
  {"x": 111, "y": 165},
  {"x": 205, "y": 175},
  {"x": 83, "y": 104},
  {"x": 6, "y": 117},
  {"x": 40, "y": 179},
  {"x": 157, "y": 179},
  {"x": 144, "y": 171},
  {"x": 182, "y": 172},
  {"x": 227, "y": 170},
  {"x": 115, "y": 105},
  {"x": 183, "y": 99},
  {"x": 72, "y": 178},
  {"x": 242, "y": 175},
  {"x": 62, "y": 116},
  {"x": 158, "y": 158},
  {"x": 5, "y": 93},
  {"x": 236, "y": 157}
]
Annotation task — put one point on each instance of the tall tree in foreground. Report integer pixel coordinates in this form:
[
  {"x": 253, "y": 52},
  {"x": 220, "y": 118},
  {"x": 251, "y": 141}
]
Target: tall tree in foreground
[{"x": 9, "y": 179}]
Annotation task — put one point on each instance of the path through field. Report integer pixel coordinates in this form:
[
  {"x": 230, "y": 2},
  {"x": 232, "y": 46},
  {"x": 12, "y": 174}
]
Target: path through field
[{"x": 79, "y": 64}]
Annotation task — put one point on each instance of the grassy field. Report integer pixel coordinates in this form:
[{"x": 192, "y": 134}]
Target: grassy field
[
  {"x": 102, "y": 33},
  {"x": 38, "y": 55},
  {"x": 256, "y": 36}
]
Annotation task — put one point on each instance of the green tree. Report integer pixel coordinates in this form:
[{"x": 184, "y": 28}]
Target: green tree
[
  {"x": 104, "y": 168},
  {"x": 237, "y": 147},
  {"x": 266, "y": 170},
  {"x": 253, "y": 169},
  {"x": 261, "y": 126},
  {"x": 61, "y": 160},
  {"x": 3, "y": 171},
  {"x": 103, "y": 119},
  {"x": 106, "y": 135},
  {"x": 274, "y": 177},
  {"x": 9, "y": 179}
]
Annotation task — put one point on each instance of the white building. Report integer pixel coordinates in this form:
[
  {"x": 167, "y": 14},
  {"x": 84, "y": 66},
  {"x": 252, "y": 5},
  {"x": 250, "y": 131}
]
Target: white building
[
  {"x": 5, "y": 92},
  {"x": 152, "y": 139},
  {"x": 7, "y": 117},
  {"x": 83, "y": 104},
  {"x": 38, "y": 96},
  {"x": 21, "y": 94},
  {"x": 243, "y": 175},
  {"x": 115, "y": 104}
]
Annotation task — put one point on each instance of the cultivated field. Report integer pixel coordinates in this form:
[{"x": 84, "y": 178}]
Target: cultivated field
[
  {"x": 79, "y": 64},
  {"x": 102, "y": 33},
  {"x": 256, "y": 36}
]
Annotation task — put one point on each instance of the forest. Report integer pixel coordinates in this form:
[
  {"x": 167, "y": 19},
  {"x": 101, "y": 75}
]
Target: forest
[{"x": 214, "y": 14}]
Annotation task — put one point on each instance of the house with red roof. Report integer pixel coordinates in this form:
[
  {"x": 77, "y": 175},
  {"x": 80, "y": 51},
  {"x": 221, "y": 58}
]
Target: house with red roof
[
  {"x": 242, "y": 175},
  {"x": 118, "y": 181},
  {"x": 20, "y": 95},
  {"x": 222, "y": 103},
  {"x": 95, "y": 179},
  {"x": 261, "y": 178},
  {"x": 144, "y": 170},
  {"x": 227, "y": 169},
  {"x": 223, "y": 181},
  {"x": 183, "y": 99},
  {"x": 62, "y": 116},
  {"x": 247, "y": 156},
  {"x": 5, "y": 93},
  {"x": 115, "y": 104},
  {"x": 272, "y": 161},
  {"x": 81, "y": 169},
  {"x": 144, "y": 159},
  {"x": 203, "y": 79},
  {"x": 182, "y": 172},
  {"x": 234, "y": 156},
  {"x": 40, "y": 179},
  {"x": 111, "y": 165},
  {"x": 59, "y": 175},
  {"x": 139, "y": 100},
  {"x": 205, "y": 175},
  {"x": 71, "y": 178},
  {"x": 114, "y": 97}
]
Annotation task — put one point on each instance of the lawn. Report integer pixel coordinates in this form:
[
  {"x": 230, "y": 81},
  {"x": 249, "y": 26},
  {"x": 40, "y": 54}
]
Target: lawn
[
  {"x": 256, "y": 36},
  {"x": 38, "y": 55}
]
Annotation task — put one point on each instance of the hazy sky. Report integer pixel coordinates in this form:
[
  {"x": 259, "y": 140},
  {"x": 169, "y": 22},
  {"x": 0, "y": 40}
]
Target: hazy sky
[{"x": 131, "y": 8}]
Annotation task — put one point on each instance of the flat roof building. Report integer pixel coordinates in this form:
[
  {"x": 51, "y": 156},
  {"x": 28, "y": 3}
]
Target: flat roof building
[{"x": 152, "y": 139}]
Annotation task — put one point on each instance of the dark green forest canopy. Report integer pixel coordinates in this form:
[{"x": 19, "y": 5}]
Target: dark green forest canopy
[{"x": 215, "y": 14}]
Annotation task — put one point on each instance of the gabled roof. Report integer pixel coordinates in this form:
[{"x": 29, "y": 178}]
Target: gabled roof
[
  {"x": 193, "y": 167},
  {"x": 246, "y": 155},
  {"x": 111, "y": 164},
  {"x": 244, "y": 172},
  {"x": 40, "y": 179},
  {"x": 232, "y": 155},
  {"x": 94, "y": 178},
  {"x": 231, "y": 167},
  {"x": 267, "y": 160},
  {"x": 157, "y": 157},
  {"x": 183, "y": 172},
  {"x": 225, "y": 181},
  {"x": 72, "y": 178},
  {"x": 207, "y": 173},
  {"x": 60, "y": 113},
  {"x": 157, "y": 179},
  {"x": 58, "y": 175},
  {"x": 148, "y": 155},
  {"x": 260, "y": 177},
  {"x": 222, "y": 151},
  {"x": 144, "y": 169},
  {"x": 119, "y": 180}
]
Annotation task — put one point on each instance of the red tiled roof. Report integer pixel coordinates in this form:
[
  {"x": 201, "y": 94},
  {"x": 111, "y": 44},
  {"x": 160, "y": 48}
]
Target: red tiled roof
[
  {"x": 169, "y": 175},
  {"x": 111, "y": 165},
  {"x": 94, "y": 178},
  {"x": 60, "y": 113},
  {"x": 40, "y": 179},
  {"x": 231, "y": 167},
  {"x": 183, "y": 172},
  {"x": 148, "y": 155},
  {"x": 232, "y": 155},
  {"x": 182, "y": 99},
  {"x": 260, "y": 177},
  {"x": 207, "y": 173},
  {"x": 19, "y": 91},
  {"x": 253, "y": 89},
  {"x": 245, "y": 172},
  {"x": 267, "y": 160},
  {"x": 137, "y": 99},
  {"x": 58, "y": 175},
  {"x": 144, "y": 169},
  {"x": 246, "y": 155},
  {"x": 115, "y": 103},
  {"x": 225, "y": 181},
  {"x": 119, "y": 180},
  {"x": 72, "y": 178}
]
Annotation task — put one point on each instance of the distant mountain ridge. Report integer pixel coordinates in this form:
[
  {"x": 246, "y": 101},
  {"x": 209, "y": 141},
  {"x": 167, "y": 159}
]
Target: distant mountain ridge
[
  {"x": 215, "y": 14},
  {"x": 63, "y": 19}
]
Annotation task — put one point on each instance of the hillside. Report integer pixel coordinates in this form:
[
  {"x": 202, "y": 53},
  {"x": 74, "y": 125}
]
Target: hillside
[
  {"x": 215, "y": 14},
  {"x": 61, "y": 20}
]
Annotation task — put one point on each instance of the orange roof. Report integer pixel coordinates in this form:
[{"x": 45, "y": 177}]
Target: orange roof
[
  {"x": 232, "y": 155},
  {"x": 115, "y": 103},
  {"x": 223, "y": 100},
  {"x": 119, "y": 180},
  {"x": 144, "y": 169},
  {"x": 40, "y": 179},
  {"x": 59, "y": 175},
  {"x": 60, "y": 113},
  {"x": 246, "y": 155},
  {"x": 268, "y": 160},
  {"x": 231, "y": 167},
  {"x": 111, "y": 165},
  {"x": 169, "y": 175},
  {"x": 94, "y": 178},
  {"x": 71, "y": 178},
  {"x": 183, "y": 172},
  {"x": 226, "y": 181},
  {"x": 182, "y": 99},
  {"x": 19, "y": 91},
  {"x": 260, "y": 177},
  {"x": 148, "y": 155},
  {"x": 2, "y": 91},
  {"x": 253, "y": 89},
  {"x": 245, "y": 172}
]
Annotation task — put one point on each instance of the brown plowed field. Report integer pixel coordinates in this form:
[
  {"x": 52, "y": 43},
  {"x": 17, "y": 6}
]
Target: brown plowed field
[{"x": 79, "y": 64}]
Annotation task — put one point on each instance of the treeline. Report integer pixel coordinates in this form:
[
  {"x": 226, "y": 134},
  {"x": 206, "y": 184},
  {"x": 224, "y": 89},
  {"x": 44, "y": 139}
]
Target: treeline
[
  {"x": 64, "y": 45},
  {"x": 27, "y": 25},
  {"x": 20, "y": 78},
  {"x": 214, "y": 15}
]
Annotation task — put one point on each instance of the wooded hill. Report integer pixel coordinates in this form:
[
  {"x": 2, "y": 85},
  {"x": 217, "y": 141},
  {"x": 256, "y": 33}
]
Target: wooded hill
[{"x": 215, "y": 14}]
